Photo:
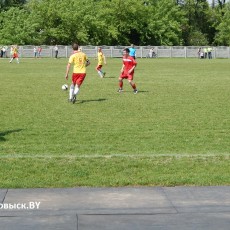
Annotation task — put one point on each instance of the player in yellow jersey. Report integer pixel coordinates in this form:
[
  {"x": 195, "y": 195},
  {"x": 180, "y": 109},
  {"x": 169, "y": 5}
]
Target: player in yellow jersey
[
  {"x": 80, "y": 62},
  {"x": 14, "y": 53},
  {"x": 101, "y": 60}
]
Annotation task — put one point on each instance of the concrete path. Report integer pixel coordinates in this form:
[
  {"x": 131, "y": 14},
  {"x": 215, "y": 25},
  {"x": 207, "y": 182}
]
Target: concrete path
[{"x": 129, "y": 208}]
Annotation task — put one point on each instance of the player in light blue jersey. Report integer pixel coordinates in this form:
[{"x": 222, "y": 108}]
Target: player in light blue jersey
[{"x": 132, "y": 51}]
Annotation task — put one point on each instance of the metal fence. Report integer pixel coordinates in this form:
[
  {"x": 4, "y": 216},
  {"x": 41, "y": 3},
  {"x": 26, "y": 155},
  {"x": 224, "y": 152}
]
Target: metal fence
[{"x": 116, "y": 51}]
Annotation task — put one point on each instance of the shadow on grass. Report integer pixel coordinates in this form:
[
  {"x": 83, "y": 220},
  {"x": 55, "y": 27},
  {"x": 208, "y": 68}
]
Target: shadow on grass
[
  {"x": 3, "y": 134},
  {"x": 139, "y": 91},
  {"x": 94, "y": 100},
  {"x": 142, "y": 91}
]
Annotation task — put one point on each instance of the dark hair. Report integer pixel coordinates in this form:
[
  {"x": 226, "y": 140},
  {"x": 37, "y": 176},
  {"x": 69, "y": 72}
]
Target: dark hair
[
  {"x": 75, "y": 46},
  {"x": 126, "y": 50}
]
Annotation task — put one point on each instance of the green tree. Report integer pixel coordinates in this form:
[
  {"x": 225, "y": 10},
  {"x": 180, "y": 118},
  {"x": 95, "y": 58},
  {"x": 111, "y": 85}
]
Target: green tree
[
  {"x": 63, "y": 21},
  {"x": 223, "y": 30},
  {"x": 122, "y": 21},
  {"x": 164, "y": 23},
  {"x": 199, "y": 29},
  {"x": 112, "y": 22},
  {"x": 5, "y": 4},
  {"x": 17, "y": 27}
]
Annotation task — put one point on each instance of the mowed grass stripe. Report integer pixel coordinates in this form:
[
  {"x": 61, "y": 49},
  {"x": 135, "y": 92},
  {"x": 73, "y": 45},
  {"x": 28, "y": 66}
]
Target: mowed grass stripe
[
  {"x": 114, "y": 171},
  {"x": 149, "y": 155}
]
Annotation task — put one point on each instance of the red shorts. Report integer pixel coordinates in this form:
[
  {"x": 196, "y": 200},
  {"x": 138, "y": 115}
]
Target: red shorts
[
  {"x": 127, "y": 75},
  {"x": 78, "y": 78},
  {"x": 99, "y": 67},
  {"x": 15, "y": 55}
]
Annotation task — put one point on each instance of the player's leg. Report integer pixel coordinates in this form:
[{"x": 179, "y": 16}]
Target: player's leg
[
  {"x": 133, "y": 85},
  {"x": 79, "y": 80},
  {"x": 99, "y": 71},
  {"x": 102, "y": 72},
  {"x": 71, "y": 90},
  {"x": 72, "y": 87},
  {"x": 76, "y": 91},
  {"x": 120, "y": 80}
]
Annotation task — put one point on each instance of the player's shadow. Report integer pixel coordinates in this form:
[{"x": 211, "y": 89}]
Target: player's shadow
[
  {"x": 5, "y": 133},
  {"x": 93, "y": 100},
  {"x": 139, "y": 91},
  {"x": 142, "y": 91}
]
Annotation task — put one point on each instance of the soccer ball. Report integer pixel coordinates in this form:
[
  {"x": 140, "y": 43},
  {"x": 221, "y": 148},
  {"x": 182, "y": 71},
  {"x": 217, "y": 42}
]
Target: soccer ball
[
  {"x": 64, "y": 87},
  {"x": 87, "y": 62}
]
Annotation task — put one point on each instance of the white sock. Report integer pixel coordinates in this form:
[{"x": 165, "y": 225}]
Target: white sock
[
  {"x": 100, "y": 74},
  {"x": 76, "y": 90},
  {"x": 71, "y": 89}
]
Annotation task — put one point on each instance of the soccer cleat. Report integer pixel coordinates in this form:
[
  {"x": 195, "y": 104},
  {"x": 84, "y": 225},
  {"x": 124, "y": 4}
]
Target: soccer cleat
[
  {"x": 74, "y": 99},
  {"x": 120, "y": 90},
  {"x": 135, "y": 91}
]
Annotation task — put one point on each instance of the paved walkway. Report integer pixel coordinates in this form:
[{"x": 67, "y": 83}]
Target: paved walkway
[{"x": 129, "y": 208}]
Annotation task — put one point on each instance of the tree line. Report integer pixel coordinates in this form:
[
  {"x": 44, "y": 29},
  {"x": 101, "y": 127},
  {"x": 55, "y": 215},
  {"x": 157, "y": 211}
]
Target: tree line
[{"x": 115, "y": 22}]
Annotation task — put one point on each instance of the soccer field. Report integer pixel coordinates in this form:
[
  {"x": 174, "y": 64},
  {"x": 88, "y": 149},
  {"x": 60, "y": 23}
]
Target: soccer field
[{"x": 175, "y": 131}]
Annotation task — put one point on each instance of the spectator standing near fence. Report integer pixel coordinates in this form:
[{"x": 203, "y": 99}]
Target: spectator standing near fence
[
  {"x": 127, "y": 71},
  {"x": 152, "y": 53},
  {"x": 35, "y": 52},
  {"x": 132, "y": 51},
  {"x": 1, "y": 52},
  {"x": 101, "y": 60},
  {"x": 209, "y": 49},
  {"x": 205, "y": 52},
  {"x": 39, "y": 51},
  {"x": 56, "y": 51},
  {"x": 4, "y": 49}
]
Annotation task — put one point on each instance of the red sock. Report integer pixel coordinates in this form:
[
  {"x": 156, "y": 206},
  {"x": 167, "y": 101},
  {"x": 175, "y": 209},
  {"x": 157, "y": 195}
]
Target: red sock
[
  {"x": 133, "y": 85},
  {"x": 121, "y": 84}
]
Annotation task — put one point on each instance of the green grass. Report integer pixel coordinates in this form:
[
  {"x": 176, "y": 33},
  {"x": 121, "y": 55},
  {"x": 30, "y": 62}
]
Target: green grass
[{"x": 175, "y": 131}]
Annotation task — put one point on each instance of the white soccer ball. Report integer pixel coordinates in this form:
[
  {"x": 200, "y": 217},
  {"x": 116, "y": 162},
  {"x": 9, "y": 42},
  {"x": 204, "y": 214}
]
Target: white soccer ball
[{"x": 64, "y": 87}]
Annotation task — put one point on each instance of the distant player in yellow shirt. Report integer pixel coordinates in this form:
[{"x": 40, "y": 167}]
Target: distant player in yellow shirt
[
  {"x": 80, "y": 61},
  {"x": 14, "y": 50},
  {"x": 101, "y": 60}
]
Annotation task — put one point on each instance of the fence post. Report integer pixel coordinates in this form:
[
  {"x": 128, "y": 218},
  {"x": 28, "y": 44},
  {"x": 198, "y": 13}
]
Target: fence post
[
  {"x": 21, "y": 51},
  {"x": 51, "y": 51}
]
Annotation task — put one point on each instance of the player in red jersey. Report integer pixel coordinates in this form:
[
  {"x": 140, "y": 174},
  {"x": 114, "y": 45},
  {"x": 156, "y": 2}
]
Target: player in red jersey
[{"x": 127, "y": 71}]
